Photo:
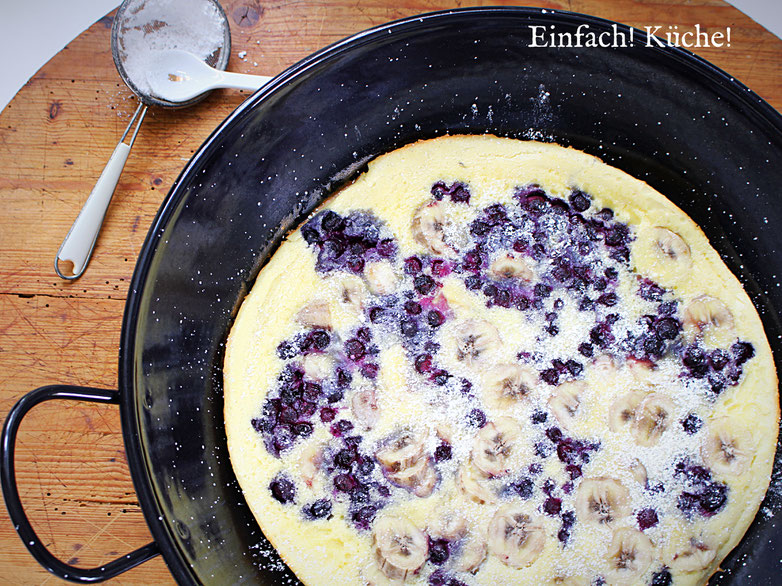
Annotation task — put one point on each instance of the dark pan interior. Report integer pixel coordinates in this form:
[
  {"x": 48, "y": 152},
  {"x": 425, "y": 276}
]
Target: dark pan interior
[{"x": 662, "y": 115}]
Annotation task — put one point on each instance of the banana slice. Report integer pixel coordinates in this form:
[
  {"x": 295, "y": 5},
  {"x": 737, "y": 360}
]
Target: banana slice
[
  {"x": 400, "y": 547},
  {"x": 707, "y": 312},
  {"x": 694, "y": 556},
  {"x": 315, "y": 314},
  {"x": 352, "y": 293},
  {"x": 494, "y": 446},
  {"x": 653, "y": 417},
  {"x": 515, "y": 537},
  {"x": 623, "y": 410},
  {"x": 671, "y": 246},
  {"x": 565, "y": 403},
  {"x": 309, "y": 462},
  {"x": 420, "y": 478},
  {"x": 364, "y": 407},
  {"x": 428, "y": 226},
  {"x": 472, "y": 553},
  {"x": 641, "y": 371},
  {"x": 638, "y": 471},
  {"x": 318, "y": 366},
  {"x": 474, "y": 486},
  {"x": 505, "y": 385},
  {"x": 451, "y": 526},
  {"x": 602, "y": 500},
  {"x": 380, "y": 277},
  {"x": 511, "y": 266},
  {"x": 402, "y": 452},
  {"x": 629, "y": 556},
  {"x": 475, "y": 340},
  {"x": 729, "y": 447}
]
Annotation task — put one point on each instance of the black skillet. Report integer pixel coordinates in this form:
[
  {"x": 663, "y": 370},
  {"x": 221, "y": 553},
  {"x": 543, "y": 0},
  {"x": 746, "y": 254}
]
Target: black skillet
[{"x": 661, "y": 114}]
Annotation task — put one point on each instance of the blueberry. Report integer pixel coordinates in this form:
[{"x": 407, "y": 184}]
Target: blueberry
[
  {"x": 336, "y": 396},
  {"x": 302, "y": 429},
  {"x": 608, "y": 299},
  {"x": 355, "y": 349},
  {"x": 283, "y": 490},
  {"x": 646, "y": 518},
  {"x": 442, "y": 452},
  {"x": 434, "y": 318},
  {"x": 695, "y": 360},
  {"x": 262, "y": 425},
  {"x": 617, "y": 235},
  {"x": 413, "y": 265},
  {"x": 440, "y": 377},
  {"x": 661, "y": 578},
  {"x": 543, "y": 449},
  {"x": 344, "y": 458},
  {"x": 479, "y": 228},
  {"x": 552, "y": 330},
  {"x": 288, "y": 415},
  {"x": 554, "y": 434},
  {"x": 341, "y": 427},
  {"x": 370, "y": 370},
  {"x": 366, "y": 466},
  {"x": 356, "y": 265},
  {"x": 574, "y": 367},
  {"x": 490, "y": 290},
  {"x": 344, "y": 378},
  {"x": 550, "y": 375},
  {"x": 332, "y": 222},
  {"x": 586, "y": 349},
  {"x": 439, "y": 190},
  {"x": 286, "y": 350},
  {"x": 310, "y": 234},
  {"x": 327, "y": 414},
  {"x": 579, "y": 201},
  {"x": 574, "y": 471},
  {"x": 413, "y": 307},
  {"x": 476, "y": 418},
  {"x": 742, "y": 351},
  {"x": 409, "y": 327},
  {"x": 438, "y": 551},
  {"x": 718, "y": 359},
  {"x": 460, "y": 193},
  {"x": 542, "y": 290},
  {"x": 364, "y": 516},
  {"x": 686, "y": 502},
  {"x": 473, "y": 282},
  {"x": 423, "y": 363},
  {"x": 424, "y": 284},
  {"x": 318, "y": 510},
  {"x": 345, "y": 482},
  {"x": 539, "y": 416},
  {"x": 667, "y": 328},
  {"x": 691, "y": 424},
  {"x": 552, "y": 506},
  {"x": 523, "y": 487},
  {"x": 714, "y": 497},
  {"x": 653, "y": 346},
  {"x": 502, "y": 298}
]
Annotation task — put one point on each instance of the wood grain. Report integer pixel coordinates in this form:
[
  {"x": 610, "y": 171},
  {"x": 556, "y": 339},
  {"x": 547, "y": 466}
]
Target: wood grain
[{"x": 55, "y": 137}]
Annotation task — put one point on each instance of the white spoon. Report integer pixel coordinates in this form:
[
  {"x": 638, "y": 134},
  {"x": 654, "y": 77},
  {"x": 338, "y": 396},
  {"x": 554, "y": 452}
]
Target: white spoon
[{"x": 177, "y": 75}]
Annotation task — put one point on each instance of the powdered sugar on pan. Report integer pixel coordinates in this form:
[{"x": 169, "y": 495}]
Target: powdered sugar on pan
[{"x": 150, "y": 26}]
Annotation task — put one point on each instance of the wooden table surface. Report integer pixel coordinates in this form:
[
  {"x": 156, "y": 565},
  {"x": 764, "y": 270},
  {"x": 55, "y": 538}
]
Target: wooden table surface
[{"x": 55, "y": 137}]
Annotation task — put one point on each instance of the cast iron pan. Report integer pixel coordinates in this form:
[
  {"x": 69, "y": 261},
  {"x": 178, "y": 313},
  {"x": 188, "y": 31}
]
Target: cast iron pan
[{"x": 661, "y": 114}]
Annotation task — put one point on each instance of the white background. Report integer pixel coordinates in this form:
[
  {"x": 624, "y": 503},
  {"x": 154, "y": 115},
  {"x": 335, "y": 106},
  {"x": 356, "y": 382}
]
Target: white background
[{"x": 33, "y": 31}]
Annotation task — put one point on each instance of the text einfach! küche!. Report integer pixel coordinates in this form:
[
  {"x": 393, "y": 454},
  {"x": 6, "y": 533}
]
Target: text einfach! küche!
[{"x": 650, "y": 36}]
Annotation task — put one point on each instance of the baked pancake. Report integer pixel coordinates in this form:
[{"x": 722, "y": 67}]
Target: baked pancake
[{"x": 494, "y": 361}]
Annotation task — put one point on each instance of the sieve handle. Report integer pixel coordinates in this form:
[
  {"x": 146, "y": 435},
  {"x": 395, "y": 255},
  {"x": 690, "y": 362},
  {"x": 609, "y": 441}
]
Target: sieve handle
[
  {"x": 80, "y": 240},
  {"x": 240, "y": 81}
]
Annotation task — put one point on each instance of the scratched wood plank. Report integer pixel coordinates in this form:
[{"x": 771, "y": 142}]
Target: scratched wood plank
[{"x": 55, "y": 137}]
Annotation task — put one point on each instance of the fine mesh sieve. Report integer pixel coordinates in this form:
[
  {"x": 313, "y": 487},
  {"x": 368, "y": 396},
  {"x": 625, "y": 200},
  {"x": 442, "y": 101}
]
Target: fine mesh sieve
[{"x": 142, "y": 29}]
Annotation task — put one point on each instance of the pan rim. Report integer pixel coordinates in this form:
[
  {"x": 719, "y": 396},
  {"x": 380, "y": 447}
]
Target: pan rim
[{"x": 136, "y": 452}]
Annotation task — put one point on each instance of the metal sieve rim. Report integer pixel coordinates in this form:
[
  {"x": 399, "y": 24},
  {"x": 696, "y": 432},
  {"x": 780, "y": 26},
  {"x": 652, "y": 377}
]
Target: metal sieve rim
[{"x": 221, "y": 63}]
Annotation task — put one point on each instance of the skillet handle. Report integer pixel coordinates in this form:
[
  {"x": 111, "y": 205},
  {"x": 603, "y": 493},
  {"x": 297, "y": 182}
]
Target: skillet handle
[{"x": 14, "y": 504}]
